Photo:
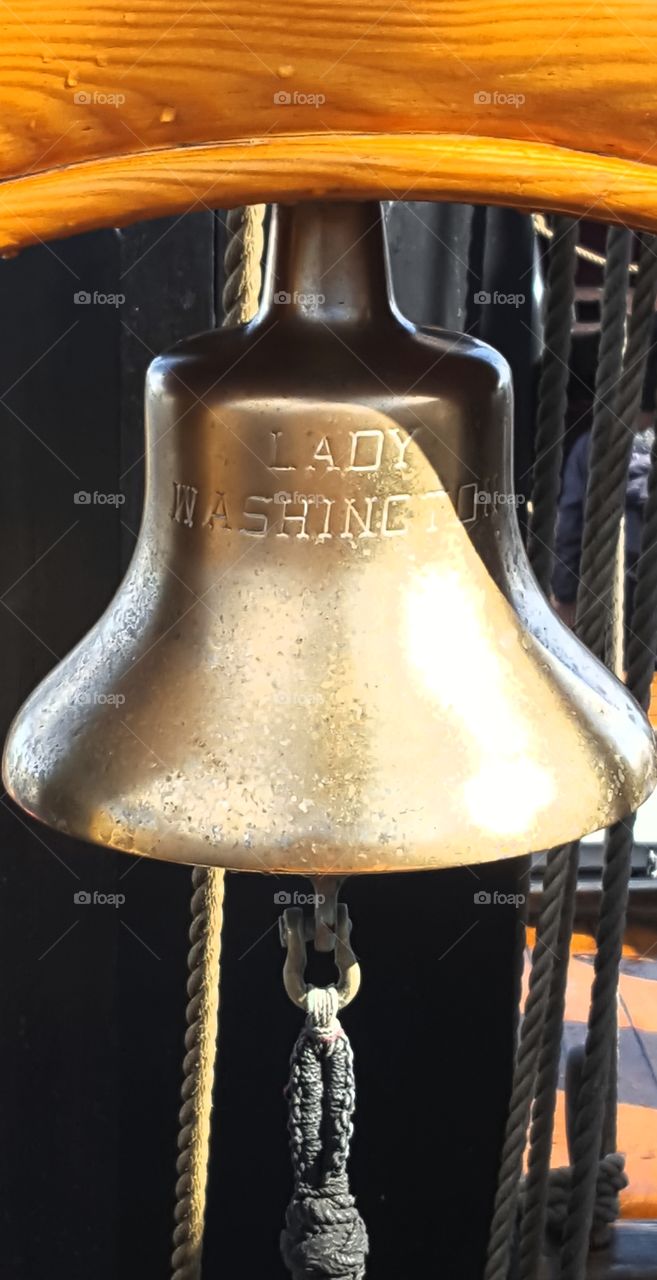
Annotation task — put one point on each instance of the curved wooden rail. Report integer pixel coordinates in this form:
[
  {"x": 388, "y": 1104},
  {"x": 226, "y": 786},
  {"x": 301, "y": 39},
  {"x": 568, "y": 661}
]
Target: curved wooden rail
[
  {"x": 124, "y": 189},
  {"x": 111, "y": 112}
]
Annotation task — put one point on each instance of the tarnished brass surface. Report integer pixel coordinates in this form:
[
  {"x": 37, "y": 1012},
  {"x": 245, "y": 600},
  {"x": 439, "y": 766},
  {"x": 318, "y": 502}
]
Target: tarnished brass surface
[{"x": 333, "y": 654}]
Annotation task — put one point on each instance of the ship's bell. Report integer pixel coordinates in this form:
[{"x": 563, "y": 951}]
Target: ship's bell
[{"x": 331, "y": 652}]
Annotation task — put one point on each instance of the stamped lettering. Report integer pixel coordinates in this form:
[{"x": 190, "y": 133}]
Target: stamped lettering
[
  {"x": 316, "y": 517},
  {"x": 184, "y": 502}
]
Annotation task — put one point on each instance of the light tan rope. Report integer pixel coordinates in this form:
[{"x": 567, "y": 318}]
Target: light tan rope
[
  {"x": 242, "y": 259},
  {"x": 240, "y": 297},
  {"x": 542, "y": 228},
  {"x": 198, "y": 1071}
]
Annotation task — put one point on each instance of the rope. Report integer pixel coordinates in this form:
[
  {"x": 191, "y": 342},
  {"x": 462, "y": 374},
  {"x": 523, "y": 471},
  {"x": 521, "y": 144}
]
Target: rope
[
  {"x": 324, "y": 1236},
  {"x": 198, "y": 1071},
  {"x": 525, "y": 1067},
  {"x": 612, "y": 1179},
  {"x": 611, "y": 447},
  {"x": 552, "y": 399},
  {"x": 537, "y": 1192},
  {"x": 597, "y": 575},
  {"x": 240, "y": 298},
  {"x": 642, "y": 645},
  {"x": 245, "y": 230},
  {"x": 530, "y": 1057},
  {"x": 587, "y": 255}
]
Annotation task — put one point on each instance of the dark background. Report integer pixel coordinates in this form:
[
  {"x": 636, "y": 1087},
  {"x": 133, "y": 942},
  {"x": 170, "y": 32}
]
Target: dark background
[{"x": 92, "y": 1012}]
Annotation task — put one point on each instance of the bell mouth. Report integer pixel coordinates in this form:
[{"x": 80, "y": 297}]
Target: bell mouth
[
  {"x": 308, "y": 857},
  {"x": 271, "y": 820}
]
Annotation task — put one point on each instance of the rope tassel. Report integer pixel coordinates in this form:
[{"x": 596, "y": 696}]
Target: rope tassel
[{"x": 324, "y": 1237}]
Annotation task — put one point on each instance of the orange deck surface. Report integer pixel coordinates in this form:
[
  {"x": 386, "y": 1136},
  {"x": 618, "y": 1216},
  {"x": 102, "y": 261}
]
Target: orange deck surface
[{"x": 637, "y": 1081}]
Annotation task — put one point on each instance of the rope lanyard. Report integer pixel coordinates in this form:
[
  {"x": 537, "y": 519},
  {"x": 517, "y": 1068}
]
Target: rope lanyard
[
  {"x": 240, "y": 300},
  {"x": 324, "y": 1237}
]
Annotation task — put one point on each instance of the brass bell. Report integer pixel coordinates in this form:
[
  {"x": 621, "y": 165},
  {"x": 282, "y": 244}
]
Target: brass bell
[{"x": 332, "y": 652}]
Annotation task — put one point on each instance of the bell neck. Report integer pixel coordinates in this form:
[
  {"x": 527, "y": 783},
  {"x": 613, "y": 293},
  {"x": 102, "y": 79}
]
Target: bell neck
[{"x": 327, "y": 264}]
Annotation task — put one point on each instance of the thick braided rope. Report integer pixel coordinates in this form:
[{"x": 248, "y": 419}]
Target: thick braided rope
[
  {"x": 525, "y": 1067},
  {"x": 536, "y": 1194},
  {"x": 642, "y": 645},
  {"x": 245, "y": 230},
  {"x": 611, "y": 1180},
  {"x": 241, "y": 293},
  {"x": 552, "y": 398},
  {"x": 198, "y": 1071},
  {"x": 610, "y": 438},
  {"x": 324, "y": 1236}
]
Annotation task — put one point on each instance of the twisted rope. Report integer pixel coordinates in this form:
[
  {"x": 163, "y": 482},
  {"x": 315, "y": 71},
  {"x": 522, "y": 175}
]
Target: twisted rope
[
  {"x": 558, "y": 870},
  {"x": 240, "y": 299},
  {"x": 198, "y": 1071},
  {"x": 526, "y": 1064},
  {"x": 611, "y": 440},
  {"x": 611, "y": 1180},
  {"x": 587, "y": 255},
  {"x": 324, "y": 1236},
  {"x": 552, "y": 398},
  {"x": 642, "y": 645},
  {"x": 536, "y": 1195},
  {"x": 242, "y": 260}
]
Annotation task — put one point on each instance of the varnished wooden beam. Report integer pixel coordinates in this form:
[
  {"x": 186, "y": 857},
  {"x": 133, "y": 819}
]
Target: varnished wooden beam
[
  {"x": 111, "y": 110},
  {"x": 123, "y": 189}
]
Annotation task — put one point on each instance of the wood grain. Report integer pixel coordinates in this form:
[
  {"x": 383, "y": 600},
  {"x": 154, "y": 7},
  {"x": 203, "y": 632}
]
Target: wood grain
[
  {"x": 123, "y": 189},
  {"x": 354, "y": 99}
]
